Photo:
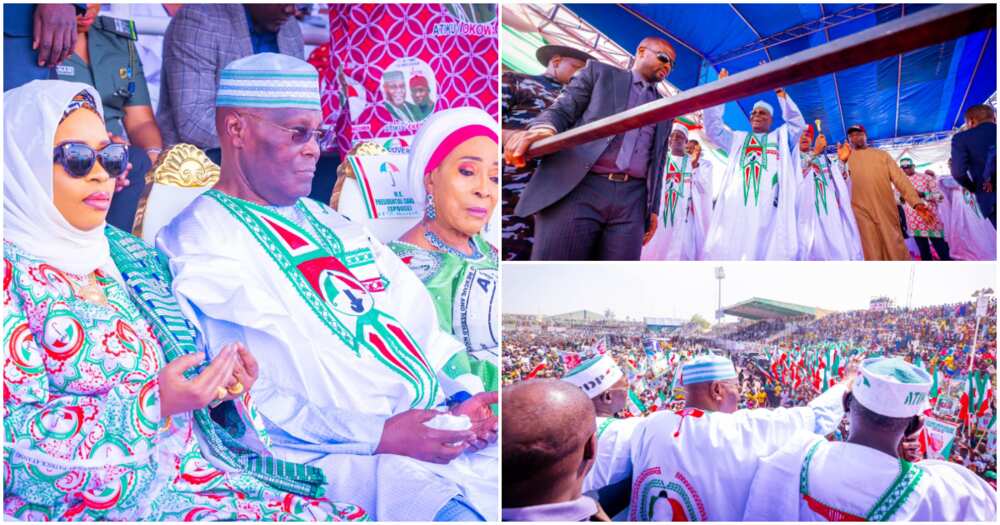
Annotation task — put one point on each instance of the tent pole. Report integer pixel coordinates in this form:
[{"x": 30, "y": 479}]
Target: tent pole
[{"x": 961, "y": 107}]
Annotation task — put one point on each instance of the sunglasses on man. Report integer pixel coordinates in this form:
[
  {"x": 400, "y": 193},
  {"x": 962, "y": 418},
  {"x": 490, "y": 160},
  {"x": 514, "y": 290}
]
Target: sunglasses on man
[
  {"x": 662, "y": 57},
  {"x": 78, "y": 158},
  {"x": 300, "y": 135}
]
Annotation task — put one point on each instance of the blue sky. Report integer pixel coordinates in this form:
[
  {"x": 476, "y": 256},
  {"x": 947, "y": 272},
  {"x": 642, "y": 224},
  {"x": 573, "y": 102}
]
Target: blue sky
[{"x": 663, "y": 289}]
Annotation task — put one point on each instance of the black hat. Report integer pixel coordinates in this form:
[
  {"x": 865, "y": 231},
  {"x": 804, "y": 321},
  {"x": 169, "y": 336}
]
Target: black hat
[
  {"x": 856, "y": 127},
  {"x": 545, "y": 53}
]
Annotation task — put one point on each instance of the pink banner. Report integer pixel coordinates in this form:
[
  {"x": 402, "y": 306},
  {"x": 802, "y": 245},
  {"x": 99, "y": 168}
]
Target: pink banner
[{"x": 392, "y": 65}]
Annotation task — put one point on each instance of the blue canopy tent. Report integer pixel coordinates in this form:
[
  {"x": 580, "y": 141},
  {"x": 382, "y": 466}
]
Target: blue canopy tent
[{"x": 910, "y": 97}]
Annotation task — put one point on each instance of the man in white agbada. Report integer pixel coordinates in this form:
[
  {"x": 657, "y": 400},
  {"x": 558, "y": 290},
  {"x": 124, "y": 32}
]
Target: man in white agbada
[
  {"x": 685, "y": 207},
  {"x": 827, "y": 229},
  {"x": 697, "y": 463},
  {"x": 864, "y": 479},
  {"x": 353, "y": 362},
  {"x": 971, "y": 236},
  {"x": 754, "y": 215},
  {"x": 605, "y": 384}
]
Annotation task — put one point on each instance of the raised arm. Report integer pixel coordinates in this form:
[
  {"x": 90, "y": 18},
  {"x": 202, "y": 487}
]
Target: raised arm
[
  {"x": 717, "y": 131},
  {"x": 793, "y": 118}
]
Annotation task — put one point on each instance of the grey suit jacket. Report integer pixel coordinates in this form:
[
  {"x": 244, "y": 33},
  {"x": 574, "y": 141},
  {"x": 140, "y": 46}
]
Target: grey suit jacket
[
  {"x": 596, "y": 91},
  {"x": 200, "y": 41}
]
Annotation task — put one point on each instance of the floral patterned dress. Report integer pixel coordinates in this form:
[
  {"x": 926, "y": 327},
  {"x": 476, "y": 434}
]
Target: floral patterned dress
[
  {"x": 919, "y": 225},
  {"x": 84, "y": 437}
]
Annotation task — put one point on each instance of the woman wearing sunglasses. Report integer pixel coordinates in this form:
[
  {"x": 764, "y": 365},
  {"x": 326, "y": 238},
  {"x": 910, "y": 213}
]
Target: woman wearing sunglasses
[
  {"x": 455, "y": 163},
  {"x": 105, "y": 57},
  {"x": 106, "y": 398}
]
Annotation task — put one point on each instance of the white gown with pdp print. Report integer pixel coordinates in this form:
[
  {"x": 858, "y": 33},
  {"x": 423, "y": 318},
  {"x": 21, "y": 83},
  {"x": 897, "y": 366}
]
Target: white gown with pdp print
[
  {"x": 811, "y": 479},
  {"x": 345, "y": 335},
  {"x": 754, "y": 215},
  {"x": 694, "y": 465},
  {"x": 827, "y": 228},
  {"x": 685, "y": 210}
]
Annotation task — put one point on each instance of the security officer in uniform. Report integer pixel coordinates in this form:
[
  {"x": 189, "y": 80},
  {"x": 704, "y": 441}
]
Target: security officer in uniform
[
  {"x": 47, "y": 25},
  {"x": 105, "y": 57},
  {"x": 524, "y": 97}
]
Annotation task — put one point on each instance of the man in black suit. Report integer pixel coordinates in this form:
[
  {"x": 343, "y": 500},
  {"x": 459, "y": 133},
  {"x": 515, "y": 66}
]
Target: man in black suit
[
  {"x": 973, "y": 158},
  {"x": 597, "y": 200}
]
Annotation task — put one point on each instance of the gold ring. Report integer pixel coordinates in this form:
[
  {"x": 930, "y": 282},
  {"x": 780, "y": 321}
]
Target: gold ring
[
  {"x": 235, "y": 389},
  {"x": 220, "y": 393}
]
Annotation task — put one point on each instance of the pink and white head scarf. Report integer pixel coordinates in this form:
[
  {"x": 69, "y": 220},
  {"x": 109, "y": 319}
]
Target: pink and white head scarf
[{"x": 441, "y": 133}]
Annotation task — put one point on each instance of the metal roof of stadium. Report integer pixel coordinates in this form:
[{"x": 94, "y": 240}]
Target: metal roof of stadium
[
  {"x": 578, "y": 315},
  {"x": 757, "y": 309},
  {"x": 663, "y": 321}
]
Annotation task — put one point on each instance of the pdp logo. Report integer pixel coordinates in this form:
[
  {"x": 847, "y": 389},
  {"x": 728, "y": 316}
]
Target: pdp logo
[
  {"x": 388, "y": 169},
  {"x": 397, "y": 145}
]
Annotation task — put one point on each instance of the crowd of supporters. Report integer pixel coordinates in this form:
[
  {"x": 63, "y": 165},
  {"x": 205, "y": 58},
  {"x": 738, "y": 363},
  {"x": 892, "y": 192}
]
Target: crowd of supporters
[{"x": 939, "y": 338}]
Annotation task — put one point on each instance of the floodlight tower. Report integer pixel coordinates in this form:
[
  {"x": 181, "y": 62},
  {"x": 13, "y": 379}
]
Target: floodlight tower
[
  {"x": 909, "y": 291},
  {"x": 720, "y": 274}
]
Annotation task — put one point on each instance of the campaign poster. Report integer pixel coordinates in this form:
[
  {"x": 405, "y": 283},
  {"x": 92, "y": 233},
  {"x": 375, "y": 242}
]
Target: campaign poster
[{"x": 393, "y": 65}]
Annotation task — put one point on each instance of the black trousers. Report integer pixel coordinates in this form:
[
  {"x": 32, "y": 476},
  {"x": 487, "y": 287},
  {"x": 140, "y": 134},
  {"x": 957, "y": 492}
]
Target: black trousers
[
  {"x": 598, "y": 220},
  {"x": 940, "y": 246}
]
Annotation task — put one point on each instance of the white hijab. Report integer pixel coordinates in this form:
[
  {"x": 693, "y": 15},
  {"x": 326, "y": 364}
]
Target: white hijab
[
  {"x": 435, "y": 130},
  {"x": 31, "y": 221}
]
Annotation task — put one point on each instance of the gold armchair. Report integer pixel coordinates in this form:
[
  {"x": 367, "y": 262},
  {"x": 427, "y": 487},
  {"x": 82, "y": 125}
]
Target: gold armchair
[{"x": 182, "y": 173}]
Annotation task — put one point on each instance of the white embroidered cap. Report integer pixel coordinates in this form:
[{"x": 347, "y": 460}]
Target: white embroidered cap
[
  {"x": 892, "y": 387},
  {"x": 679, "y": 127},
  {"x": 595, "y": 375},
  {"x": 269, "y": 80},
  {"x": 765, "y": 105}
]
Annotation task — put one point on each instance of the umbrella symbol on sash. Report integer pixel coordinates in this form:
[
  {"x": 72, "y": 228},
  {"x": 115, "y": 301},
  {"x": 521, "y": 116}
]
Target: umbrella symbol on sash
[{"x": 390, "y": 169}]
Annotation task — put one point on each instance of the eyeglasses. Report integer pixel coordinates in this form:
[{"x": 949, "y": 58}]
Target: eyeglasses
[
  {"x": 78, "y": 158},
  {"x": 665, "y": 58},
  {"x": 662, "y": 57},
  {"x": 300, "y": 135}
]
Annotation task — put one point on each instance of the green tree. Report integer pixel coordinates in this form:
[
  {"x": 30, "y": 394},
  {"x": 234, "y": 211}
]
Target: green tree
[{"x": 700, "y": 322}]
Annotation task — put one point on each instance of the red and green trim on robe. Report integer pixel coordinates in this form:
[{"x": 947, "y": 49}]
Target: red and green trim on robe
[{"x": 334, "y": 294}]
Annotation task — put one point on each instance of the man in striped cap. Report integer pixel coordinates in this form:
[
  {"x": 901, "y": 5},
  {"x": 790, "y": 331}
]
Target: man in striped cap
[
  {"x": 697, "y": 464},
  {"x": 353, "y": 362},
  {"x": 710, "y": 383},
  {"x": 865, "y": 478},
  {"x": 394, "y": 94},
  {"x": 268, "y": 119}
]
